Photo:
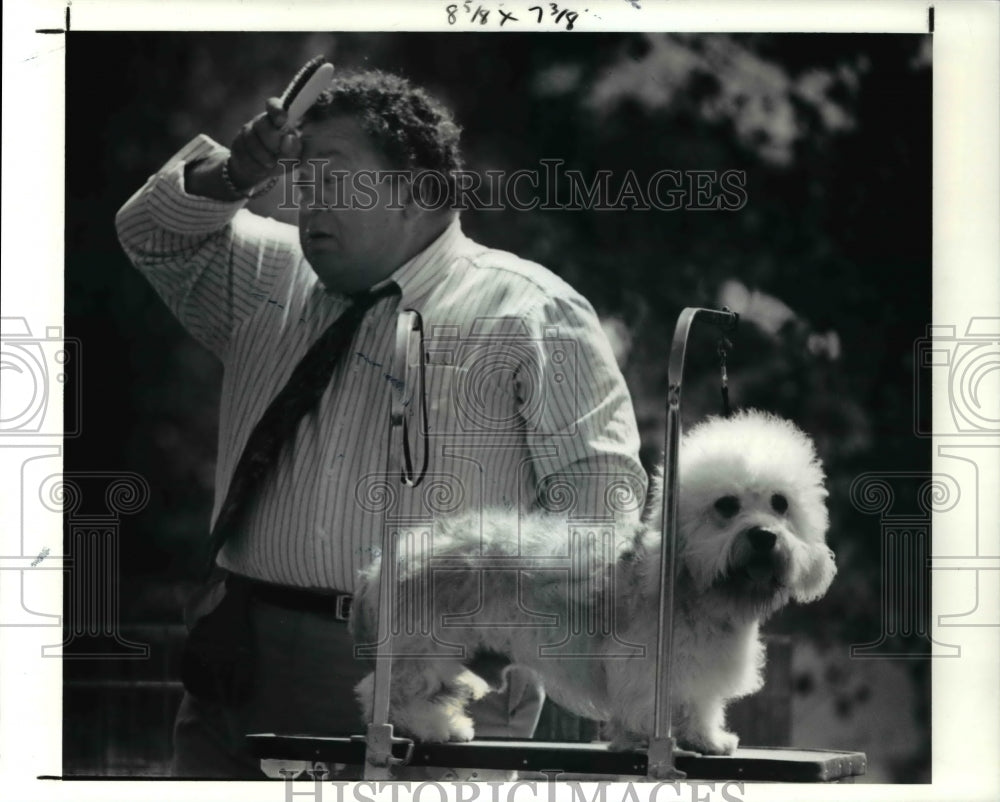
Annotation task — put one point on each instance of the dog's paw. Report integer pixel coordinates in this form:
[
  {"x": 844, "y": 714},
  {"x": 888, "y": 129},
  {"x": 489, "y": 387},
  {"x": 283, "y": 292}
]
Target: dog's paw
[
  {"x": 431, "y": 721},
  {"x": 628, "y": 742},
  {"x": 461, "y": 728},
  {"x": 435, "y": 721},
  {"x": 624, "y": 738},
  {"x": 719, "y": 742}
]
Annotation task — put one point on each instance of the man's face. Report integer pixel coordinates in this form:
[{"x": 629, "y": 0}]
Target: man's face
[{"x": 350, "y": 236}]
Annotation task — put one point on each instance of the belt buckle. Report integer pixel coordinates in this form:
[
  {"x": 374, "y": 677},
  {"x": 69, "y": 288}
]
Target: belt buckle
[{"x": 342, "y": 607}]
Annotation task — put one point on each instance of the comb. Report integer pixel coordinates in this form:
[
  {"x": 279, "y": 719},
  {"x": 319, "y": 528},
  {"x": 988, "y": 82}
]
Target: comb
[{"x": 305, "y": 87}]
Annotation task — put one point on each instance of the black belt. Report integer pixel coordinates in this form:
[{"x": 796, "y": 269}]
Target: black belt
[{"x": 327, "y": 603}]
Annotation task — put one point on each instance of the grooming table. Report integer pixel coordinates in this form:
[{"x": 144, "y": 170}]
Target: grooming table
[
  {"x": 379, "y": 750},
  {"x": 297, "y": 753}
]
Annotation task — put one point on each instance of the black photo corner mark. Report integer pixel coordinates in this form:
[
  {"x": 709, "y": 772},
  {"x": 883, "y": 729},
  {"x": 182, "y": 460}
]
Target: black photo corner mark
[
  {"x": 930, "y": 20},
  {"x": 56, "y": 30}
]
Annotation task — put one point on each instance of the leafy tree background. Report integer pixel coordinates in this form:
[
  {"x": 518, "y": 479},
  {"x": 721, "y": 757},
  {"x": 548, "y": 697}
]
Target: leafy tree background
[{"x": 828, "y": 263}]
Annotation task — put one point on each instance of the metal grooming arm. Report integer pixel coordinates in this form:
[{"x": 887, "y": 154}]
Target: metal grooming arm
[
  {"x": 379, "y": 738},
  {"x": 662, "y": 745}
]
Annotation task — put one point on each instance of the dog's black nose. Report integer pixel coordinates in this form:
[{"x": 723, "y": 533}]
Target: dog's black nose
[{"x": 761, "y": 540}]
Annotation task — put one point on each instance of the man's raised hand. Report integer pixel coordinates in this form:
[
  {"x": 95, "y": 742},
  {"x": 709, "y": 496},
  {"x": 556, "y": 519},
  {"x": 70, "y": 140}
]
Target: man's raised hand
[{"x": 259, "y": 147}]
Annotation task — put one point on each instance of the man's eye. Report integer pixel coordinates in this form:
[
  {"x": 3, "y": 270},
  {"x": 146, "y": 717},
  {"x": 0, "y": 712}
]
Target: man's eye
[{"x": 727, "y": 506}]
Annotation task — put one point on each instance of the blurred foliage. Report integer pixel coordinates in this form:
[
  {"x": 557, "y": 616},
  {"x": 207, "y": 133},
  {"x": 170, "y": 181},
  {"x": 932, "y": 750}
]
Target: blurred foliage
[{"x": 828, "y": 261}]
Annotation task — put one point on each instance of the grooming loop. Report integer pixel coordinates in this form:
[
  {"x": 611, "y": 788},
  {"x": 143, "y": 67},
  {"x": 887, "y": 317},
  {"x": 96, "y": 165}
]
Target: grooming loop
[
  {"x": 723, "y": 348},
  {"x": 379, "y": 750},
  {"x": 661, "y": 747}
]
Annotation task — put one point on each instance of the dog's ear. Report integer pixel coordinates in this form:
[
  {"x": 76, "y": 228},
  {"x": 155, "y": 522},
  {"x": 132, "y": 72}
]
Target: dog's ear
[{"x": 817, "y": 576}]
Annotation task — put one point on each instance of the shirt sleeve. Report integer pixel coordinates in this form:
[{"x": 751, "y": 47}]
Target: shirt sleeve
[
  {"x": 212, "y": 262},
  {"x": 580, "y": 423}
]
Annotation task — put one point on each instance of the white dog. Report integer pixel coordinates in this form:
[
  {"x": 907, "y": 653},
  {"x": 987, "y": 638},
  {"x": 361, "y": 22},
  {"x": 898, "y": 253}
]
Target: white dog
[{"x": 577, "y": 605}]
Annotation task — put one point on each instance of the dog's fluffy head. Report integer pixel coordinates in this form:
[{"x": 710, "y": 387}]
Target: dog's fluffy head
[{"x": 752, "y": 515}]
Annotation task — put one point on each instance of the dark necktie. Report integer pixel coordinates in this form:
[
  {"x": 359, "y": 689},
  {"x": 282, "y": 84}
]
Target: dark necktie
[{"x": 301, "y": 393}]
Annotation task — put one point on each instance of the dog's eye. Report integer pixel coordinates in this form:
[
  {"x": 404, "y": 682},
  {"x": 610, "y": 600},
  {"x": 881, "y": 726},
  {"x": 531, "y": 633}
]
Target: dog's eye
[
  {"x": 727, "y": 506},
  {"x": 779, "y": 503}
]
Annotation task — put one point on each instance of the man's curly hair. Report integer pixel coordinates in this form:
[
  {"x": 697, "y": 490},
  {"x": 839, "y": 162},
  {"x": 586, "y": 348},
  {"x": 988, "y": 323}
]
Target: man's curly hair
[{"x": 412, "y": 129}]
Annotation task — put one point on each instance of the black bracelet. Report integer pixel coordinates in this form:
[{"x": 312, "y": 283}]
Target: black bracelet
[{"x": 254, "y": 193}]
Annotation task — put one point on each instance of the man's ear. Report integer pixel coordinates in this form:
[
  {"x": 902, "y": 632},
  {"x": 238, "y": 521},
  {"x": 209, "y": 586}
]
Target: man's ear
[
  {"x": 427, "y": 191},
  {"x": 406, "y": 198}
]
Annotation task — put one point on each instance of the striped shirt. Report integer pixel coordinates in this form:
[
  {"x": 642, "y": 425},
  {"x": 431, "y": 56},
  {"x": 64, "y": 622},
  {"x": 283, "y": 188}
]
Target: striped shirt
[{"x": 525, "y": 405}]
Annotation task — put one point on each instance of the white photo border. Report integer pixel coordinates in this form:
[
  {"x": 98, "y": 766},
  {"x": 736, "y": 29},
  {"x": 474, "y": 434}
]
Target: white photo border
[{"x": 966, "y": 264}]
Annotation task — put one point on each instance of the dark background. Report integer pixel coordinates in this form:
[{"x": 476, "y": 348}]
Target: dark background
[{"x": 828, "y": 263}]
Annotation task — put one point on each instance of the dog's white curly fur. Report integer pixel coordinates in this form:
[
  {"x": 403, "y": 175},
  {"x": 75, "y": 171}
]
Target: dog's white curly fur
[{"x": 753, "y": 521}]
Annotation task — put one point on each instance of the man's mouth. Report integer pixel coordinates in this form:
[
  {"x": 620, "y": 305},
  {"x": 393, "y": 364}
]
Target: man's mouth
[{"x": 321, "y": 239}]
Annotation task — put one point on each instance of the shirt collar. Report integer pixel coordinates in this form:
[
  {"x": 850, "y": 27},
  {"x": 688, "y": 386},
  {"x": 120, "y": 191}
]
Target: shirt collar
[{"x": 418, "y": 276}]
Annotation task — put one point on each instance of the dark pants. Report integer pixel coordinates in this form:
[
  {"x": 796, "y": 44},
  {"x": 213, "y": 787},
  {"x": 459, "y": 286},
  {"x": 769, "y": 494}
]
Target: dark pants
[{"x": 304, "y": 678}]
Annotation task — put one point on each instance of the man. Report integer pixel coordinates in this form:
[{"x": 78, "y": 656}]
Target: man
[{"x": 522, "y": 400}]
